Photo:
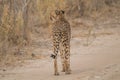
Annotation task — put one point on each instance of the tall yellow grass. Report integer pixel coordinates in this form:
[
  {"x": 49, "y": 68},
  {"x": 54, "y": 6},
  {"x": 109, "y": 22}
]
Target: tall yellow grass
[
  {"x": 11, "y": 34},
  {"x": 13, "y": 24}
]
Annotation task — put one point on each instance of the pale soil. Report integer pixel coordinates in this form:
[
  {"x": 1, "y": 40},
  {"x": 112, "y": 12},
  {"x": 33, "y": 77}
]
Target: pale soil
[{"x": 98, "y": 61}]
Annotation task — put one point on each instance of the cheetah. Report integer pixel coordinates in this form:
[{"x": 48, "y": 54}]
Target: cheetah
[{"x": 61, "y": 34}]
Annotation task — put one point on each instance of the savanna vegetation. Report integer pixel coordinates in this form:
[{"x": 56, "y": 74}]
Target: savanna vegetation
[{"x": 21, "y": 20}]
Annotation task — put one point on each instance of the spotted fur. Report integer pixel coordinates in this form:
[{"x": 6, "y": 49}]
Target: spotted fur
[{"x": 61, "y": 34}]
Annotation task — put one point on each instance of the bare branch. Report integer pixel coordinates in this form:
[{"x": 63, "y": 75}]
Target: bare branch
[{"x": 26, "y": 2}]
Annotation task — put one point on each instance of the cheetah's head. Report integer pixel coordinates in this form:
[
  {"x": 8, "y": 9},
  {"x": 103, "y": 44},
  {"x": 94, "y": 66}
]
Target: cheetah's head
[{"x": 57, "y": 15}]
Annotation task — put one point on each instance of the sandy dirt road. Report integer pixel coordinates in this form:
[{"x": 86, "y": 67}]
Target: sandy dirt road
[{"x": 99, "y": 61}]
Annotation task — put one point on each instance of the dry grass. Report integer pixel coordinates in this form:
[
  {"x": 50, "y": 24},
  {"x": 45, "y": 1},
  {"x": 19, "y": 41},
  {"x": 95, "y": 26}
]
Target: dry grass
[
  {"x": 11, "y": 36},
  {"x": 12, "y": 32}
]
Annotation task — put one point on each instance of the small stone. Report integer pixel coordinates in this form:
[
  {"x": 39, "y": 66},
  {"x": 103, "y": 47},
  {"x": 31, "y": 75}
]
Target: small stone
[{"x": 4, "y": 69}]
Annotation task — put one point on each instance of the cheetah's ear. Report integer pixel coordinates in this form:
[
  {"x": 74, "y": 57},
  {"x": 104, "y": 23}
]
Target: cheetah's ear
[
  {"x": 57, "y": 12},
  {"x": 62, "y": 11},
  {"x": 52, "y": 18}
]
